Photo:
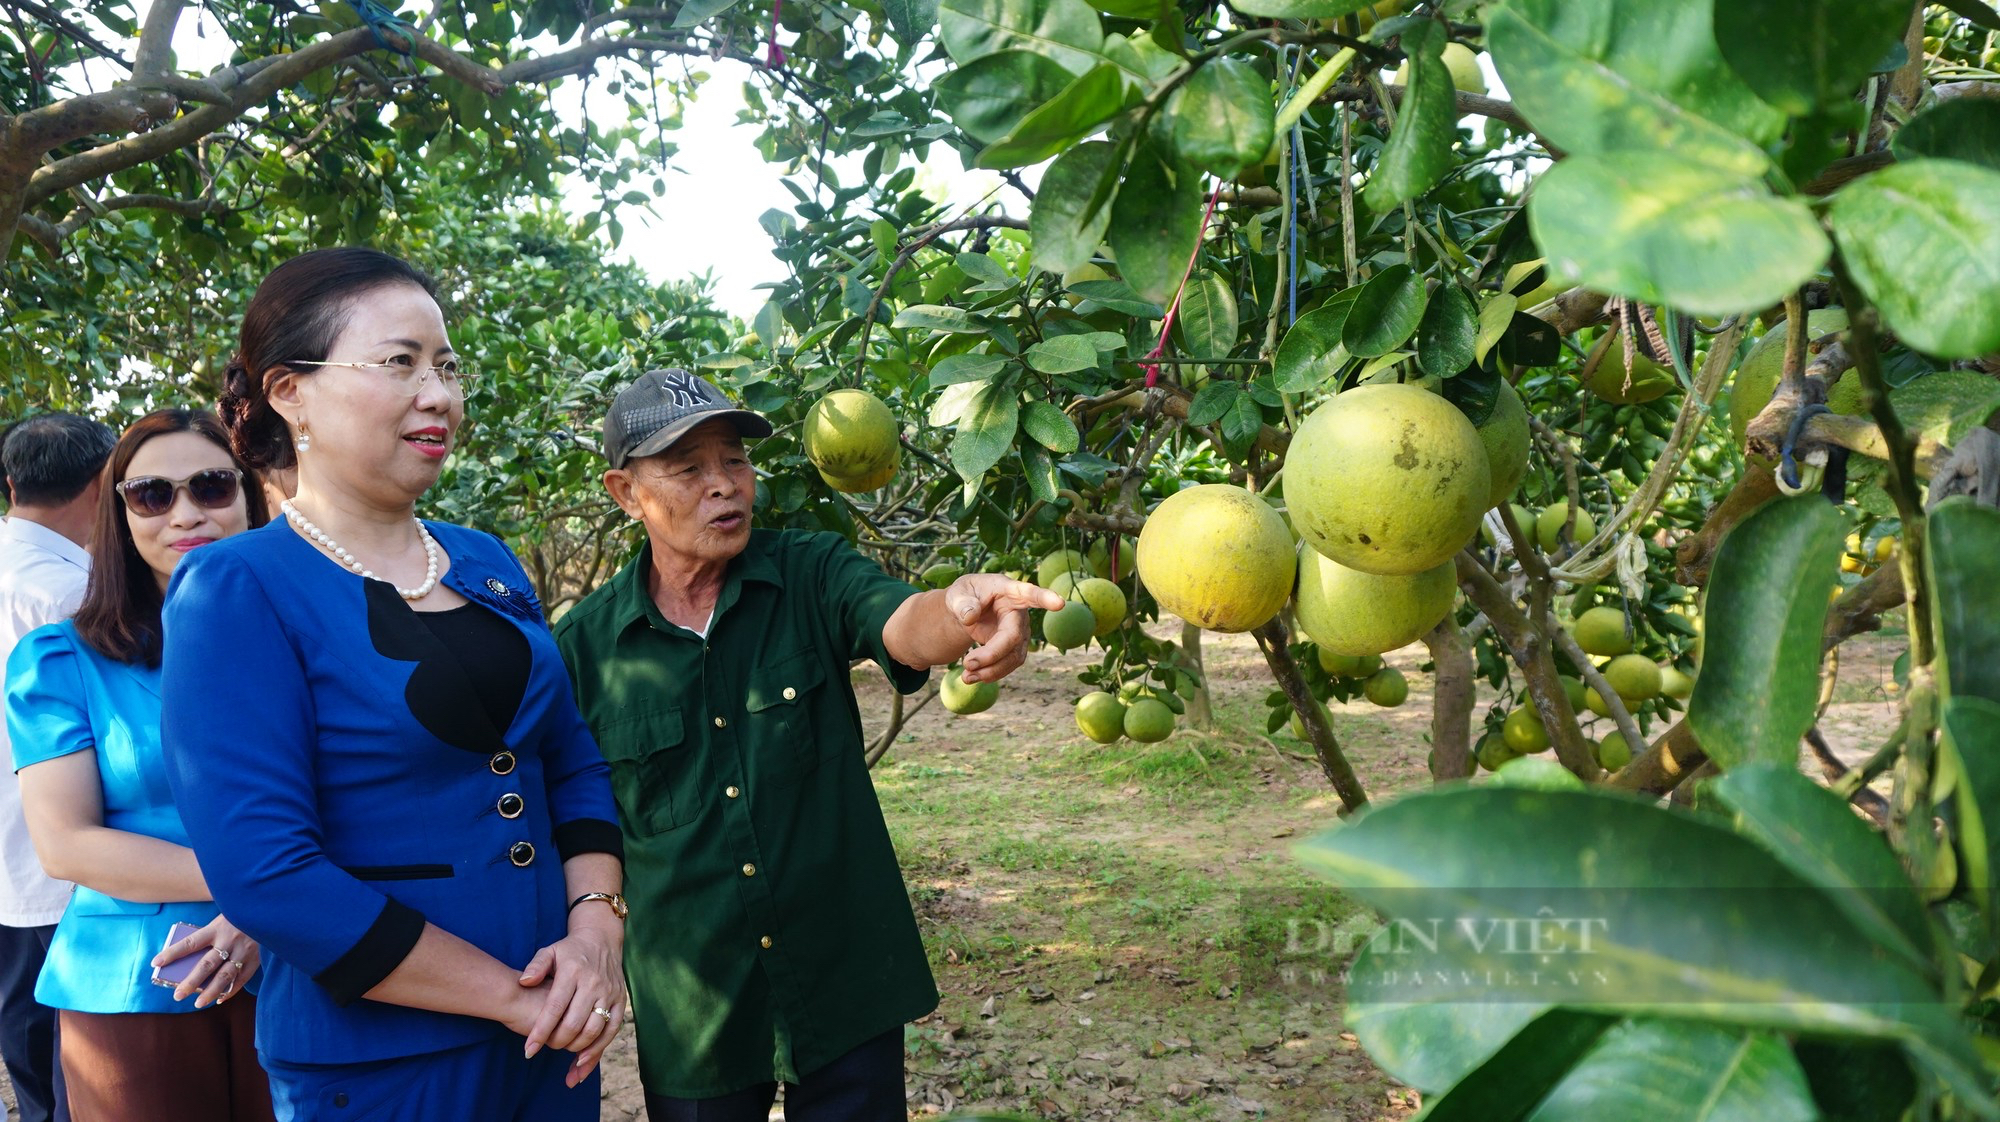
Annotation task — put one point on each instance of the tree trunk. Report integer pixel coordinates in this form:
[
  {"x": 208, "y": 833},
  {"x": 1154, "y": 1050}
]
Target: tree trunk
[
  {"x": 1452, "y": 701},
  {"x": 1200, "y": 712}
]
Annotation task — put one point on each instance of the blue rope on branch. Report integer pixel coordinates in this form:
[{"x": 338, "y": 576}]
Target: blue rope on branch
[
  {"x": 1788, "y": 468},
  {"x": 380, "y": 20}
]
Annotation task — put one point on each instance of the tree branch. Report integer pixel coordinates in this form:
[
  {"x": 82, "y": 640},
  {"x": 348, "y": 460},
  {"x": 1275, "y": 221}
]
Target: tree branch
[
  {"x": 1276, "y": 644},
  {"x": 1531, "y": 653},
  {"x": 156, "y": 40},
  {"x": 1453, "y": 696}
]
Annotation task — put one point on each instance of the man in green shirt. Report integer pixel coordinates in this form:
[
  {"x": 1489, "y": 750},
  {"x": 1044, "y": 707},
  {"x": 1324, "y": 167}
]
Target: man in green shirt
[{"x": 771, "y": 938}]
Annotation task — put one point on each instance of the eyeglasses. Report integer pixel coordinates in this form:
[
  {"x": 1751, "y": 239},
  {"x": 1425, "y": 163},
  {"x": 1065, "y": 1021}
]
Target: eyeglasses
[
  {"x": 409, "y": 378},
  {"x": 152, "y": 495}
]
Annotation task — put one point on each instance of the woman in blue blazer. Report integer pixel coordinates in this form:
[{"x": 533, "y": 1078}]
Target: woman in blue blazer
[
  {"x": 398, "y": 799},
  {"x": 83, "y": 711}
]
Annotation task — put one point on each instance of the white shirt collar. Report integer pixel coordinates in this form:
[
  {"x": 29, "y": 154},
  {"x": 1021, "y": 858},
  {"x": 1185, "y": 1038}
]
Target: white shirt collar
[{"x": 40, "y": 536}]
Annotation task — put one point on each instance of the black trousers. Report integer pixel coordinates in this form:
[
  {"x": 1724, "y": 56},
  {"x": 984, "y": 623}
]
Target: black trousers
[
  {"x": 865, "y": 1085},
  {"x": 28, "y": 1028}
]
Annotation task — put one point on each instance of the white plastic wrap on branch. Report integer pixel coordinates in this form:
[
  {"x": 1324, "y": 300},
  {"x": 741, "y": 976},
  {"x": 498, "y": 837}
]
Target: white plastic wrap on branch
[{"x": 1617, "y": 545}]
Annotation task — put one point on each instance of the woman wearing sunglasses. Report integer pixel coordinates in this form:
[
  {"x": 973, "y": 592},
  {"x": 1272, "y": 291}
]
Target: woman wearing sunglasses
[
  {"x": 399, "y": 801},
  {"x": 83, "y": 712}
]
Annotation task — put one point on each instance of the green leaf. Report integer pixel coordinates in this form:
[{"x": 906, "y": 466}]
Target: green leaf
[
  {"x": 1385, "y": 312},
  {"x": 939, "y": 317},
  {"x": 1971, "y": 743},
  {"x": 1061, "y": 231},
  {"x": 965, "y": 368},
  {"x": 1064, "y": 354},
  {"x": 1040, "y": 470},
  {"x": 1213, "y": 400},
  {"x": 989, "y": 96},
  {"x": 1432, "y": 1046},
  {"x": 1715, "y": 1074},
  {"x": 1923, "y": 241},
  {"x": 1118, "y": 297},
  {"x": 1300, "y": 9},
  {"x": 1051, "y": 426},
  {"x": 1419, "y": 149},
  {"x": 1241, "y": 425},
  {"x": 1946, "y": 404},
  {"x": 910, "y": 20},
  {"x": 1696, "y": 921},
  {"x": 1598, "y": 76},
  {"x": 1964, "y": 564},
  {"x": 1063, "y": 120},
  {"x": 1522, "y": 1071},
  {"x": 1658, "y": 228},
  {"x": 1208, "y": 316},
  {"x": 1965, "y": 128},
  {"x": 1857, "y": 1081},
  {"x": 695, "y": 11},
  {"x": 1494, "y": 317},
  {"x": 1759, "y": 685},
  {"x": 1475, "y": 391},
  {"x": 1221, "y": 117},
  {"x": 1448, "y": 333},
  {"x": 985, "y": 431},
  {"x": 1803, "y": 55},
  {"x": 1067, "y": 31},
  {"x": 1154, "y": 224},
  {"x": 1814, "y": 833},
  {"x": 1311, "y": 352}
]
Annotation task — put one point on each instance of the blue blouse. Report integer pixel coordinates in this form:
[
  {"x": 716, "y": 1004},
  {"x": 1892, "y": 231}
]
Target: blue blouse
[
  {"x": 64, "y": 697},
  {"x": 343, "y": 785}
]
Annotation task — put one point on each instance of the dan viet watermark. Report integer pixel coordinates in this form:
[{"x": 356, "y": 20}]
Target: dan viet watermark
[{"x": 1599, "y": 946}]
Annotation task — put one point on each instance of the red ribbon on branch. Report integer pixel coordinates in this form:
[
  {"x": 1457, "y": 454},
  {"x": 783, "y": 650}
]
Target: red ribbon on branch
[
  {"x": 774, "y": 55},
  {"x": 1167, "y": 325}
]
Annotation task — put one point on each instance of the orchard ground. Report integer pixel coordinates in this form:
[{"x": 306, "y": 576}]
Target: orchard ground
[{"x": 1090, "y": 910}]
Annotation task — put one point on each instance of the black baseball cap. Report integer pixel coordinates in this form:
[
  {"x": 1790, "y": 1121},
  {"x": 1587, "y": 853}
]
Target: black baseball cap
[{"x": 660, "y": 406}]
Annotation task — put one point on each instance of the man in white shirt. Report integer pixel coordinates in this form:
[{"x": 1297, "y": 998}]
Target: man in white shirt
[{"x": 49, "y": 466}]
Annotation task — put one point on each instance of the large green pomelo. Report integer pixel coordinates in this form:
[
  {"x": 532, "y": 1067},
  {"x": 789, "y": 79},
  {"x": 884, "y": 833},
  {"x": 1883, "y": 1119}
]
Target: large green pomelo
[
  {"x": 1388, "y": 479},
  {"x": 1063, "y": 562},
  {"x": 1218, "y": 557},
  {"x": 851, "y": 437},
  {"x": 1069, "y": 626},
  {"x": 1349, "y": 612},
  {"x": 965, "y": 698},
  {"x": 1757, "y": 376}
]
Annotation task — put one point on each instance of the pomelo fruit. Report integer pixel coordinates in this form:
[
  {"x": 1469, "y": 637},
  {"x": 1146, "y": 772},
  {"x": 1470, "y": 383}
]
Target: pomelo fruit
[
  {"x": 851, "y": 437},
  {"x": 1069, "y": 626},
  {"x": 1549, "y": 524},
  {"x": 942, "y": 574},
  {"x": 1148, "y": 720},
  {"x": 1757, "y": 376},
  {"x": 1386, "y": 687},
  {"x": 961, "y": 697},
  {"x": 1349, "y": 612},
  {"x": 1217, "y": 556},
  {"x": 1347, "y": 666},
  {"x": 1100, "y": 716},
  {"x": 1299, "y": 725},
  {"x": 860, "y": 484},
  {"x": 1536, "y": 774},
  {"x": 1387, "y": 479},
  {"x": 1601, "y": 631},
  {"x": 1492, "y": 752},
  {"x": 1062, "y": 562},
  {"x": 1111, "y": 558},
  {"x": 1106, "y": 601},
  {"x": 1634, "y": 676},
  {"x": 1612, "y": 752},
  {"x": 1594, "y": 701},
  {"x": 1505, "y": 438},
  {"x": 1676, "y": 684},
  {"x": 1466, "y": 76},
  {"x": 1646, "y": 381},
  {"x": 1523, "y": 731}
]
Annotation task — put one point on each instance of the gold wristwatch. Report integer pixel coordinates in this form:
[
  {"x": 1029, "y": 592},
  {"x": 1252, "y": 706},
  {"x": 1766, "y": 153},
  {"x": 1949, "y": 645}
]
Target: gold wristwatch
[{"x": 614, "y": 899}]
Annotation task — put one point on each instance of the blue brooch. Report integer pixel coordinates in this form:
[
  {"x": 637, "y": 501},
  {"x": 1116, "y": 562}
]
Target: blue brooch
[{"x": 503, "y": 598}]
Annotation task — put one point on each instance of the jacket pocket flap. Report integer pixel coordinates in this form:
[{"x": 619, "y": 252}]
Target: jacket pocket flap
[
  {"x": 784, "y": 682},
  {"x": 631, "y": 738}
]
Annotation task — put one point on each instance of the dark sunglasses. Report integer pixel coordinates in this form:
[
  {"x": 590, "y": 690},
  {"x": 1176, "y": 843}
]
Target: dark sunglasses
[{"x": 151, "y": 495}]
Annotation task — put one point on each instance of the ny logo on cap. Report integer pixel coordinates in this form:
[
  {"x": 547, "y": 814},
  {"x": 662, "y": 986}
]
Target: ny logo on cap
[{"x": 684, "y": 389}]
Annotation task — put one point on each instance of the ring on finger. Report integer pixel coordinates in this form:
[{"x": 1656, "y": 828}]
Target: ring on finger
[
  {"x": 223, "y": 953},
  {"x": 601, "y": 1011}
]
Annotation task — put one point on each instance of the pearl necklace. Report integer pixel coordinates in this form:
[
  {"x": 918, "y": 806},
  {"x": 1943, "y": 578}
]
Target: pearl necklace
[{"x": 306, "y": 527}]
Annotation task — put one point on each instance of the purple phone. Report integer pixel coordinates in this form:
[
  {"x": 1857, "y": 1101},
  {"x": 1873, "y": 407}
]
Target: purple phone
[{"x": 176, "y": 972}]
